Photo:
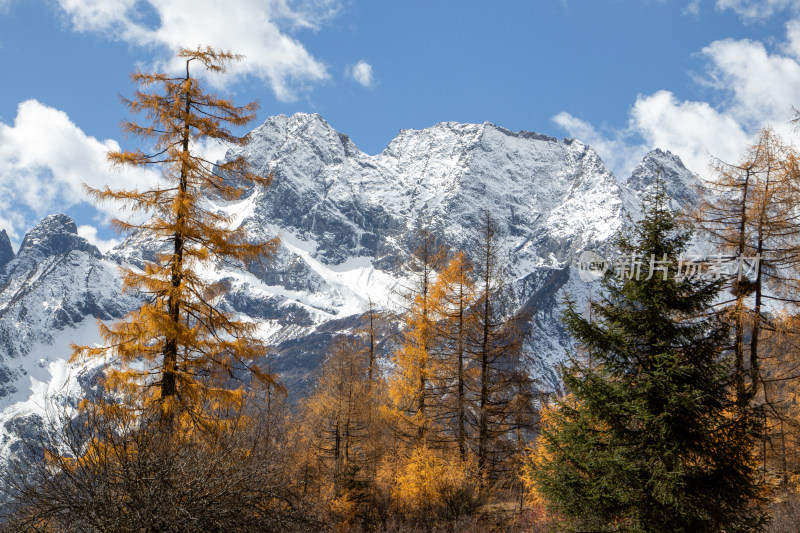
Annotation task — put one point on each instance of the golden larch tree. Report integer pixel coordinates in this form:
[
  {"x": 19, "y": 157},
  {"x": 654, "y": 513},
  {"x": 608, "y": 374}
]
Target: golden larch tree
[
  {"x": 340, "y": 423},
  {"x": 455, "y": 292},
  {"x": 411, "y": 389},
  {"x": 752, "y": 218},
  {"x": 179, "y": 349}
]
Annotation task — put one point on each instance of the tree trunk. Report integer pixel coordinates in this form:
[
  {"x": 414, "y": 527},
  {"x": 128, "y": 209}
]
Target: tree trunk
[{"x": 169, "y": 380}]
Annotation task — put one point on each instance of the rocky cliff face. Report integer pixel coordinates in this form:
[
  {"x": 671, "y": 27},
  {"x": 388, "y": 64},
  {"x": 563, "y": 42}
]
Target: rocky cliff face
[
  {"x": 348, "y": 222},
  {"x": 549, "y": 197},
  {"x": 6, "y": 252},
  {"x": 54, "y": 283}
]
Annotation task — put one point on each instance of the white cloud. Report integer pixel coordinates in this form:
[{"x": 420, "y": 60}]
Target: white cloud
[
  {"x": 616, "y": 149},
  {"x": 761, "y": 86},
  {"x": 90, "y": 234},
  {"x": 98, "y": 15},
  {"x": 753, "y": 88},
  {"x": 693, "y": 8},
  {"x": 752, "y": 10},
  {"x": 44, "y": 160},
  {"x": 693, "y": 130},
  {"x": 792, "y": 46},
  {"x": 211, "y": 150},
  {"x": 362, "y": 73},
  {"x": 254, "y": 28}
]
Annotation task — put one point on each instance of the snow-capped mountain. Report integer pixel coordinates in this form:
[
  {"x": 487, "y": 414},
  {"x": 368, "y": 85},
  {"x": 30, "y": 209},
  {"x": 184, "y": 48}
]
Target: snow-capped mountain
[{"x": 348, "y": 222}]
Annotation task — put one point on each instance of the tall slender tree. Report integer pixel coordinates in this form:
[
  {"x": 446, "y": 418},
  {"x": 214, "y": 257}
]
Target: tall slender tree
[
  {"x": 340, "y": 418},
  {"x": 454, "y": 291},
  {"x": 750, "y": 211},
  {"x": 189, "y": 347},
  {"x": 495, "y": 347},
  {"x": 649, "y": 439},
  {"x": 410, "y": 388},
  {"x": 751, "y": 215}
]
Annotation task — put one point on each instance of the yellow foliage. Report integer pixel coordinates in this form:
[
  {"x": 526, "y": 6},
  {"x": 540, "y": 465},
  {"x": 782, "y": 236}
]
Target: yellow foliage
[
  {"x": 410, "y": 390},
  {"x": 537, "y": 455},
  {"x": 344, "y": 511},
  {"x": 423, "y": 480},
  {"x": 179, "y": 350},
  {"x": 340, "y": 431}
]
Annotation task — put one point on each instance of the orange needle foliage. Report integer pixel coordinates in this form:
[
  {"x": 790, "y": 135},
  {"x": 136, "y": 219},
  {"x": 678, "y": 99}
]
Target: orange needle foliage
[
  {"x": 179, "y": 350},
  {"x": 412, "y": 398}
]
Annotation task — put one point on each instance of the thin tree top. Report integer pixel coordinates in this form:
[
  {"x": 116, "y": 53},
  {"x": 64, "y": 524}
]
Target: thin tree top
[
  {"x": 179, "y": 113},
  {"x": 180, "y": 102}
]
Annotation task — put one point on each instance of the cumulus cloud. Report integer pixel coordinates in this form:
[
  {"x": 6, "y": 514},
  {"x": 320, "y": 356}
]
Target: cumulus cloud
[
  {"x": 44, "y": 160},
  {"x": 760, "y": 86},
  {"x": 752, "y": 10},
  {"x": 753, "y": 88},
  {"x": 693, "y": 130},
  {"x": 616, "y": 148},
  {"x": 792, "y": 46},
  {"x": 256, "y": 28},
  {"x": 90, "y": 234},
  {"x": 209, "y": 149},
  {"x": 361, "y": 72}
]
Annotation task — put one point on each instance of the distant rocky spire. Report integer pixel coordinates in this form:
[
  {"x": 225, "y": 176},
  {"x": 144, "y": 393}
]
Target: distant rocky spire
[
  {"x": 54, "y": 235},
  {"x": 6, "y": 252}
]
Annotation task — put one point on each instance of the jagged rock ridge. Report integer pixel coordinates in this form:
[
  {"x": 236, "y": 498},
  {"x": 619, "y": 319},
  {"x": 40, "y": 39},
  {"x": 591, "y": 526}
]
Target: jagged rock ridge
[{"x": 348, "y": 221}]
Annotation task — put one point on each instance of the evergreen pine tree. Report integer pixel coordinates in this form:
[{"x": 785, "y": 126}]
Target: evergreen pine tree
[{"x": 648, "y": 439}]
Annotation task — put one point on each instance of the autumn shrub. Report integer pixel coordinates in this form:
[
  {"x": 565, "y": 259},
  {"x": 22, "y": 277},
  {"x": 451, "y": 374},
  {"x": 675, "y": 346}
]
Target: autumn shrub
[{"x": 427, "y": 486}]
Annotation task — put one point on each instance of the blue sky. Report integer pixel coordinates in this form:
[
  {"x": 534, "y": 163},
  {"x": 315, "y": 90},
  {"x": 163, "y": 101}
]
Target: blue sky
[{"x": 698, "y": 77}]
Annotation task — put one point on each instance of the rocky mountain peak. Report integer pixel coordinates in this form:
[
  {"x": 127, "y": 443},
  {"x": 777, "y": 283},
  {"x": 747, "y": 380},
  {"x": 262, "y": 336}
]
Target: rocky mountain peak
[
  {"x": 298, "y": 135},
  {"x": 55, "y": 235},
  {"x": 681, "y": 184},
  {"x": 348, "y": 222}
]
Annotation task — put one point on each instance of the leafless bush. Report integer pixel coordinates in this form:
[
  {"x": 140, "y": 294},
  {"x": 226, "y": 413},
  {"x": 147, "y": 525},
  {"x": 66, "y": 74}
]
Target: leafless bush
[
  {"x": 785, "y": 513},
  {"x": 109, "y": 472}
]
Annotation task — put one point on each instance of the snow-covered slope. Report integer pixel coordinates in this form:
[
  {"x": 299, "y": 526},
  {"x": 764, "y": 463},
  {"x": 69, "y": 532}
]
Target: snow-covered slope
[
  {"x": 50, "y": 294},
  {"x": 348, "y": 222},
  {"x": 336, "y": 207},
  {"x": 55, "y": 281},
  {"x": 549, "y": 197}
]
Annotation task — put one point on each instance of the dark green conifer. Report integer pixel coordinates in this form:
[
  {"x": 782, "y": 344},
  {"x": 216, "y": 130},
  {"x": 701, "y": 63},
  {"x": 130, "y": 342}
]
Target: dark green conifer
[{"x": 648, "y": 438}]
